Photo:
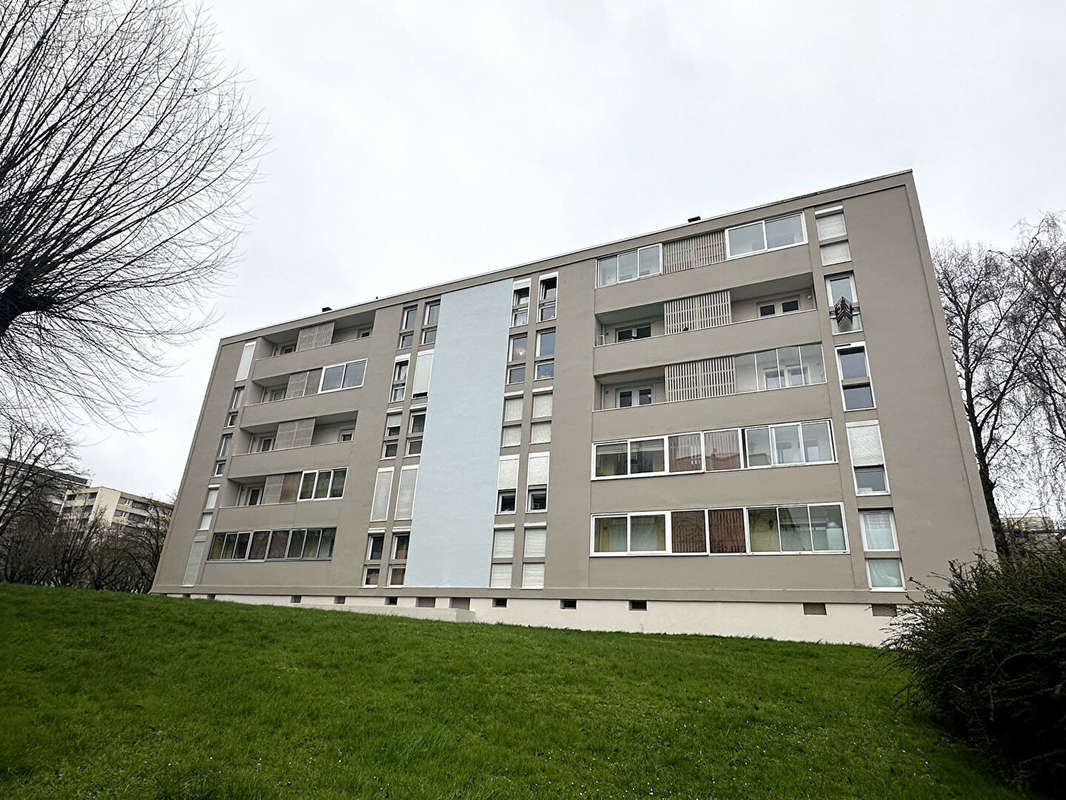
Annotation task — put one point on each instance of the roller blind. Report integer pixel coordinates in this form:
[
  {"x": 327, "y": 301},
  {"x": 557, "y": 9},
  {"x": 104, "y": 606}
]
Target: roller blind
[
  {"x": 508, "y": 477},
  {"x": 537, "y": 469},
  {"x": 512, "y": 409},
  {"x": 245, "y": 365},
  {"x": 536, "y": 542},
  {"x": 192, "y": 568},
  {"x": 503, "y": 544},
  {"x": 542, "y": 405},
  {"x": 864, "y": 440},
  {"x": 405, "y": 495},
  {"x": 423, "y": 372},
  {"x": 379, "y": 509}
]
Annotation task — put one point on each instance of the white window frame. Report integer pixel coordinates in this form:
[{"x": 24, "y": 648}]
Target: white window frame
[
  {"x": 210, "y": 505},
  {"x": 892, "y": 525},
  {"x": 836, "y": 276},
  {"x": 344, "y": 371},
  {"x": 329, "y": 486},
  {"x": 803, "y": 226},
  {"x": 869, "y": 375},
  {"x": 370, "y": 536},
  {"x": 830, "y": 212},
  {"x": 425, "y": 318},
  {"x": 413, "y": 312},
  {"x": 883, "y": 465},
  {"x": 502, "y": 491},
  {"x": 529, "y": 491},
  {"x": 658, "y": 246},
  {"x": 778, "y": 303},
  {"x": 635, "y": 389},
  {"x": 536, "y": 368},
  {"x": 540, "y": 334},
  {"x": 902, "y": 575}
]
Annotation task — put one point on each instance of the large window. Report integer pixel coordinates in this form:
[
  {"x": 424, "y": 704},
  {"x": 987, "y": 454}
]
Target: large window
[
  {"x": 867, "y": 457},
  {"x": 855, "y": 382},
  {"x": 783, "y": 368},
  {"x": 731, "y": 448},
  {"x": 323, "y": 484},
  {"x": 815, "y": 528},
  {"x": 298, "y": 544},
  {"x": 630, "y": 265},
  {"x": 842, "y": 288},
  {"x": 343, "y": 376},
  {"x": 885, "y": 573},
  {"x": 770, "y": 234},
  {"x": 878, "y": 530}
]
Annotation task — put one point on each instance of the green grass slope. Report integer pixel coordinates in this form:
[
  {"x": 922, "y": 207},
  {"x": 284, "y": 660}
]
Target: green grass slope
[{"x": 113, "y": 696}]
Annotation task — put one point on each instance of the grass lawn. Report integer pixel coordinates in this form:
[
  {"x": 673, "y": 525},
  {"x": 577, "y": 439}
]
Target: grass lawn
[{"x": 108, "y": 695}]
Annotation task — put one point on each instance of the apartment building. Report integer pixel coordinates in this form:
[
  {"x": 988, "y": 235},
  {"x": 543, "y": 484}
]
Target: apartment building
[
  {"x": 113, "y": 507},
  {"x": 746, "y": 425}
]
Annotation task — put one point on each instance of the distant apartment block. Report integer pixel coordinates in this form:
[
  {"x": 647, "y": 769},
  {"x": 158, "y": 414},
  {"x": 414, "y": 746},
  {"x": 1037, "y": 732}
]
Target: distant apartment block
[
  {"x": 113, "y": 507},
  {"x": 743, "y": 425}
]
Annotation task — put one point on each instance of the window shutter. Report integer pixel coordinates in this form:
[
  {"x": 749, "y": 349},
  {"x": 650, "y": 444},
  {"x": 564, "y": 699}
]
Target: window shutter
[
  {"x": 405, "y": 496},
  {"x": 303, "y": 431},
  {"x": 699, "y": 312},
  {"x": 709, "y": 377},
  {"x": 314, "y": 377},
  {"x": 272, "y": 488},
  {"x": 537, "y": 469},
  {"x": 286, "y": 436},
  {"x": 865, "y": 443},
  {"x": 512, "y": 409},
  {"x": 500, "y": 576},
  {"x": 508, "y": 476},
  {"x": 196, "y": 555},
  {"x": 382, "y": 489},
  {"x": 536, "y": 542},
  {"x": 836, "y": 253},
  {"x": 290, "y": 486},
  {"x": 297, "y": 385},
  {"x": 503, "y": 544},
  {"x": 532, "y": 576},
  {"x": 831, "y": 225},
  {"x": 542, "y": 405},
  {"x": 244, "y": 368},
  {"x": 324, "y": 334},
  {"x": 423, "y": 372}
]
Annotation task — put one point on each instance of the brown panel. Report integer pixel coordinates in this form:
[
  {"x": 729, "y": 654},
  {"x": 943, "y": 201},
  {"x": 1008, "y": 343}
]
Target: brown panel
[
  {"x": 723, "y": 450},
  {"x": 688, "y": 532},
  {"x": 727, "y": 530},
  {"x": 304, "y": 429},
  {"x": 272, "y": 489},
  {"x": 285, "y": 436},
  {"x": 289, "y": 487}
]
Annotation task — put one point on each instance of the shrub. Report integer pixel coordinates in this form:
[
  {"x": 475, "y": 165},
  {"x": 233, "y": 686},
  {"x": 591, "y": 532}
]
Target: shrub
[{"x": 987, "y": 654}]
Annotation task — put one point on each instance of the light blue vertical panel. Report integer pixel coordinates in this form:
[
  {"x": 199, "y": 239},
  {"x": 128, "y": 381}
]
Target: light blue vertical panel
[{"x": 455, "y": 504}]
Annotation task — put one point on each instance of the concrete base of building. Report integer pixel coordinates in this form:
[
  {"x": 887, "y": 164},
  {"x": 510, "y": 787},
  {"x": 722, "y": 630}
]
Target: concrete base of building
[{"x": 838, "y": 623}]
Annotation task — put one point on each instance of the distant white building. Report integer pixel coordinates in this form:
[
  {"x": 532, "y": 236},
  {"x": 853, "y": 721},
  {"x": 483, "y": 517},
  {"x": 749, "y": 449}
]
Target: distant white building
[{"x": 113, "y": 506}]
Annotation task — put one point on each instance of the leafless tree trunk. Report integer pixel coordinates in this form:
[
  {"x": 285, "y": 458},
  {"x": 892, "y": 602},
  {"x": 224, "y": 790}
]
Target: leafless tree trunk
[
  {"x": 125, "y": 147},
  {"x": 142, "y": 545},
  {"x": 992, "y": 325}
]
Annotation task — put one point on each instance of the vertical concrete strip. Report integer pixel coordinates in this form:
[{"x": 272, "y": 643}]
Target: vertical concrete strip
[{"x": 455, "y": 502}]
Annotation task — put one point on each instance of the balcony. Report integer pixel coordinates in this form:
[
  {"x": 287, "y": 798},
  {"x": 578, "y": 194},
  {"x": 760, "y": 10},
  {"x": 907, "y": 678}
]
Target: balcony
[
  {"x": 307, "y": 513},
  {"x": 345, "y": 401},
  {"x": 800, "y": 327},
  {"x": 292, "y": 459},
  {"x": 265, "y": 369}
]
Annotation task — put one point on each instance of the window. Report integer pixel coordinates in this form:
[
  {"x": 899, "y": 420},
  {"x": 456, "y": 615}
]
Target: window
[
  {"x": 405, "y": 494},
  {"x": 782, "y": 368},
  {"x": 343, "y": 376},
  {"x": 500, "y": 576},
  {"x": 212, "y": 497},
  {"x": 796, "y": 529},
  {"x": 397, "y": 575},
  {"x": 253, "y": 495},
  {"x": 516, "y": 375},
  {"x": 220, "y": 467},
  {"x": 536, "y": 543},
  {"x": 375, "y": 545},
  {"x": 205, "y": 522},
  {"x": 547, "y": 312},
  {"x": 231, "y": 419},
  {"x": 400, "y": 544},
  {"x": 878, "y": 530},
  {"x": 830, "y": 223},
  {"x": 611, "y": 459},
  {"x": 346, "y": 435},
  {"x": 323, "y": 484},
  {"x": 540, "y": 433},
  {"x": 533, "y": 576},
  {"x": 867, "y": 457},
  {"x": 546, "y": 343},
  {"x": 432, "y": 313},
  {"x": 408, "y": 319},
  {"x": 630, "y": 332},
  {"x": 521, "y": 296},
  {"x": 392, "y": 424},
  {"x": 389, "y": 449},
  {"x": 429, "y": 336},
  {"x": 275, "y": 394},
  {"x": 629, "y": 266},
  {"x": 414, "y": 447},
  {"x": 646, "y": 455},
  {"x": 379, "y": 509},
  {"x": 840, "y": 289},
  {"x": 520, "y": 317},
  {"x": 423, "y": 374},
  {"x": 512, "y": 409},
  {"x": 772, "y": 234},
  {"x": 537, "y": 498},
  {"x": 238, "y": 396},
  {"x": 516, "y": 350},
  {"x": 885, "y": 573},
  {"x": 545, "y": 370},
  {"x": 722, "y": 449},
  {"x": 542, "y": 405},
  {"x": 640, "y": 396},
  {"x": 512, "y": 436},
  {"x": 417, "y": 422},
  {"x": 371, "y": 576},
  {"x": 244, "y": 367},
  {"x": 549, "y": 285},
  {"x": 772, "y": 308},
  {"x": 265, "y": 444},
  {"x": 836, "y": 253},
  {"x": 647, "y": 533},
  {"x": 505, "y": 501},
  {"x": 503, "y": 543},
  {"x": 610, "y": 535},
  {"x": 399, "y": 381},
  {"x": 224, "y": 445},
  {"x": 406, "y": 340},
  {"x": 855, "y": 377}
]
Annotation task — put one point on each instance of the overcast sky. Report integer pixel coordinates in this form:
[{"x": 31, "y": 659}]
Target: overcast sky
[{"x": 416, "y": 142}]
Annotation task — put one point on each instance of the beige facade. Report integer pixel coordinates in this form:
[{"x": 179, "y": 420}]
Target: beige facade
[
  {"x": 699, "y": 436},
  {"x": 112, "y": 506}
]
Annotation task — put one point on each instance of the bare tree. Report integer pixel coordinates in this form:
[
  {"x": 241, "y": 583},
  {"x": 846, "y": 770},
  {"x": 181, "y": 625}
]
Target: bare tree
[
  {"x": 142, "y": 545},
  {"x": 992, "y": 323},
  {"x": 125, "y": 147}
]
